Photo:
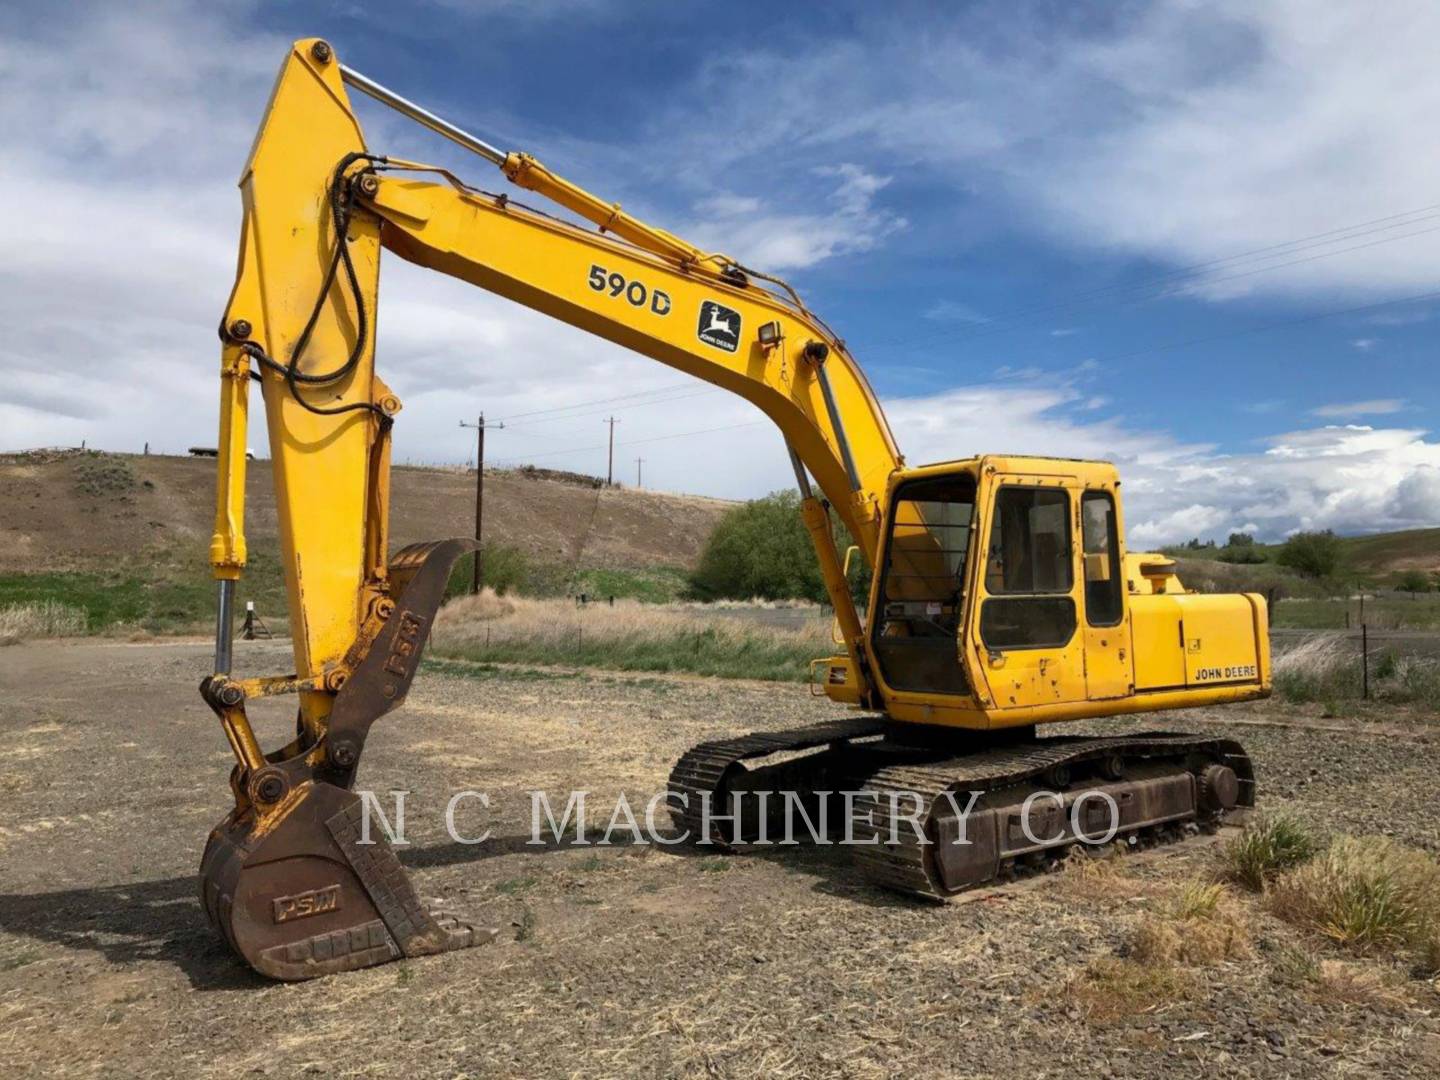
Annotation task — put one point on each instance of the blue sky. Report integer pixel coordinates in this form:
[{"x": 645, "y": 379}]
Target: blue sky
[{"x": 1185, "y": 237}]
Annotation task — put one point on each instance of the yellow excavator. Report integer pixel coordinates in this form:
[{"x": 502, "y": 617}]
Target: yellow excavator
[{"x": 1002, "y": 596}]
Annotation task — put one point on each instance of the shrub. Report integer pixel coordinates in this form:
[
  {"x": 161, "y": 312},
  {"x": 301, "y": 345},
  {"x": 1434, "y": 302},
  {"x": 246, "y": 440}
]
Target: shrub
[
  {"x": 1244, "y": 555},
  {"x": 98, "y": 474},
  {"x": 1414, "y": 581},
  {"x": 505, "y": 569},
  {"x": 1366, "y": 894},
  {"x": 1314, "y": 554},
  {"x": 762, "y": 549},
  {"x": 1265, "y": 849}
]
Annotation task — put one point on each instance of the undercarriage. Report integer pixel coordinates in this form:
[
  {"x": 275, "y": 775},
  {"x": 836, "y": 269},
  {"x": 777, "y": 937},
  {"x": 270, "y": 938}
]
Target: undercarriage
[{"x": 932, "y": 817}]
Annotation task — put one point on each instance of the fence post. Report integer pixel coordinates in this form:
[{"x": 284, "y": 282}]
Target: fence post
[{"x": 1365, "y": 660}]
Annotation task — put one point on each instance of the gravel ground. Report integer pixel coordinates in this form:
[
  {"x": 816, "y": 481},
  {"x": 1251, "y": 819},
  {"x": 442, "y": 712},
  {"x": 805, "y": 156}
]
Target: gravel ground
[{"x": 634, "y": 960}]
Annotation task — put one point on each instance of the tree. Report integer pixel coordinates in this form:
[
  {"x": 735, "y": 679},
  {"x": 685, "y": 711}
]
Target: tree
[
  {"x": 1240, "y": 539},
  {"x": 1314, "y": 554},
  {"x": 763, "y": 549},
  {"x": 1414, "y": 581}
]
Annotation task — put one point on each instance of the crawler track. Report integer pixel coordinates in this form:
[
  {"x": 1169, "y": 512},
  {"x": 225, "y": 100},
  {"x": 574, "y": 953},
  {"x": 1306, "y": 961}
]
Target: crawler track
[{"x": 932, "y": 822}]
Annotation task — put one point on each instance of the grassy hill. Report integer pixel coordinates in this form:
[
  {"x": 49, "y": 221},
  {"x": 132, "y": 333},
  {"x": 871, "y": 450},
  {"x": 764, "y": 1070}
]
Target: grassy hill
[
  {"x": 1389, "y": 553},
  {"x": 1374, "y": 565},
  {"x": 126, "y": 537},
  {"x": 1378, "y": 559}
]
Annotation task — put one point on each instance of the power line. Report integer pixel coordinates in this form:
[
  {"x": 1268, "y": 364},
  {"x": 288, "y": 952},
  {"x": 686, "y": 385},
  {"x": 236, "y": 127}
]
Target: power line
[
  {"x": 601, "y": 401},
  {"x": 1152, "y": 288},
  {"x": 689, "y": 393},
  {"x": 634, "y": 442},
  {"x": 1315, "y": 317},
  {"x": 1272, "y": 250}
]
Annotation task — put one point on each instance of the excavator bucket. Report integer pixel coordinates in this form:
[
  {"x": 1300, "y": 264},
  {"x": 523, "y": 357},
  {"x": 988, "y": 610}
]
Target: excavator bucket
[
  {"x": 293, "y": 878},
  {"x": 306, "y": 892}
]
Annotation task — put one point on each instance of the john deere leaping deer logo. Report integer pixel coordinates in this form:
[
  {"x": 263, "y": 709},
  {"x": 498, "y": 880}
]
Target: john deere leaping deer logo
[{"x": 719, "y": 326}]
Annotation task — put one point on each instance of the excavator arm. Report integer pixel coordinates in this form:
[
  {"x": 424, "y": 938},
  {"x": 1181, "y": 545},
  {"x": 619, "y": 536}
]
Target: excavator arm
[
  {"x": 318, "y": 209},
  {"x": 301, "y": 321}
]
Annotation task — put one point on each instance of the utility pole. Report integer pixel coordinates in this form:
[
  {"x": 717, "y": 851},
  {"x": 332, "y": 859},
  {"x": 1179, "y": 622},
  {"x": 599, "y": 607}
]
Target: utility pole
[
  {"x": 478, "y": 574},
  {"x": 610, "y": 468},
  {"x": 639, "y": 475}
]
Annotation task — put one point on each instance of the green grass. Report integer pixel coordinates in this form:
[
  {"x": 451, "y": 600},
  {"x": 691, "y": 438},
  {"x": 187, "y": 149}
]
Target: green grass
[
  {"x": 149, "y": 593},
  {"x": 1384, "y": 549},
  {"x": 1397, "y": 611},
  {"x": 709, "y": 651},
  {"x": 1368, "y": 894},
  {"x": 655, "y": 585},
  {"x": 1265, "y": 849}
]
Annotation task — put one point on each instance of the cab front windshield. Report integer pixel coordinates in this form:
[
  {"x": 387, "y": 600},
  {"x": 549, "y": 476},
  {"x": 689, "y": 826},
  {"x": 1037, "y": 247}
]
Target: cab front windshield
[{"x": 922, "y": 585}]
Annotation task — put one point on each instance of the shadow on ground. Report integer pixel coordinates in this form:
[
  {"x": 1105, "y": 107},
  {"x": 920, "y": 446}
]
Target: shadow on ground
[{"x": 161, "y": 920}]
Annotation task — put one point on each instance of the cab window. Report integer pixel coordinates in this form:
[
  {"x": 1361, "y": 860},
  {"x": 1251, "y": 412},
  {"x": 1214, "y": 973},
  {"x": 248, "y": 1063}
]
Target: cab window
[
  {"x": 922, "y": 585},
  {"x": 1028, "y": 571},
  {"x": 1104, "y": 600}
]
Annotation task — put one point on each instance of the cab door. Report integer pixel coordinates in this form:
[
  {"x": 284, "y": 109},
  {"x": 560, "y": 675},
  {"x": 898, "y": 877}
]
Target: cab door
[
  {"x": 1109, "y": 667},
  {"x": 1026, "y": 626}
]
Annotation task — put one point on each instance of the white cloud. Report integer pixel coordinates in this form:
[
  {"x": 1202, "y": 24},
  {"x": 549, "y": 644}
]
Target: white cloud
[
  {"x": 1352, "y": 478},
  {"x": 1364, "y": 344},
  {"x": 1260, "y": 408},
  {"x": 1372, "y": 407},
  {"x": 953, "y": 311},
  {"x": 746, "y": 229},
  {"x": 1184, "y": 132}
]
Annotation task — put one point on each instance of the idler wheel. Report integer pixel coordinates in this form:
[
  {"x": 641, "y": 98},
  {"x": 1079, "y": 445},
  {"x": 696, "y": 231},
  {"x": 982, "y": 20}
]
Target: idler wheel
[{"x": 1219, "y": 788}]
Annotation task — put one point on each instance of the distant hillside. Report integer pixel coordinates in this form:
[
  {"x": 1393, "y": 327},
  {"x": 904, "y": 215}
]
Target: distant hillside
[
  {"x": 76, "y": 511},
  {"x": 1383, "y": 553},
  {"x": 1379, "y": 558}
]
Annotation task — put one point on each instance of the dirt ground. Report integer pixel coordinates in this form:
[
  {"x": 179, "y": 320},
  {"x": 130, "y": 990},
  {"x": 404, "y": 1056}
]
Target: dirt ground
[{"x": 627, "y": 960}]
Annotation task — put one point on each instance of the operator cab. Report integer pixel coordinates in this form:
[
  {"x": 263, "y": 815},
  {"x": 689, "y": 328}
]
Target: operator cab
[{"x": 1012, "y": 565}]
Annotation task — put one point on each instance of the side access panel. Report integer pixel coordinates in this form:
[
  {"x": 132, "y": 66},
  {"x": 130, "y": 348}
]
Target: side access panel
[{"x": 1221, "y": 644}]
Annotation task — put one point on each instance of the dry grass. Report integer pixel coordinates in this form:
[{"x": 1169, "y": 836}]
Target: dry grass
[
  {"x": 1327, "y": 668},
  {"x": 1358, "y": 984},
  {"x": 1115, "y": 988},
  {"x": 45, "y": 619},
  {"x": 1265, "y": 849},
  {"x": 1192, "y": 926},
  {"x": 1201, "y": 925},
  {"x": 628, "y": 636},
  {"x": 1369, "y": 895}
]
